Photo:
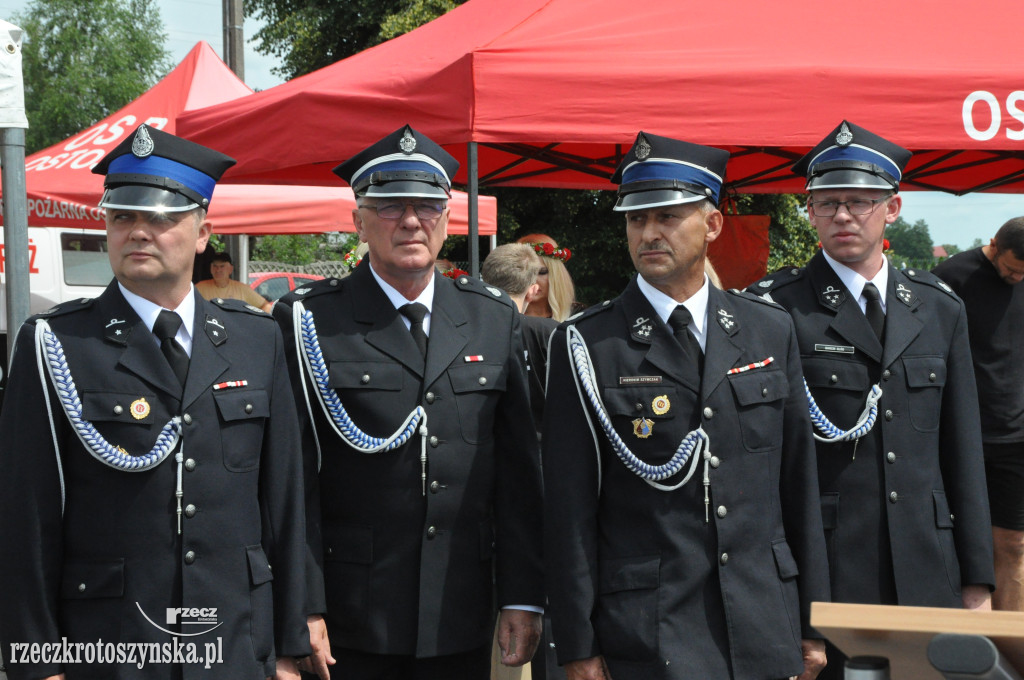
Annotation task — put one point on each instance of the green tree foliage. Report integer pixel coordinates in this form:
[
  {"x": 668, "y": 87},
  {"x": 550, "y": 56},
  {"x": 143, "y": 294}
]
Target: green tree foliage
[
  {"x": 85, "y": 59},
  {"x": 911, "y": 242},
  {"x": 310, "y": 34},
  {"x": 297, "y": 249}
]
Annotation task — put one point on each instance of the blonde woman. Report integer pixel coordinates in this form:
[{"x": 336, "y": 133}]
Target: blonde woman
[{"x": 557, "y": 294}]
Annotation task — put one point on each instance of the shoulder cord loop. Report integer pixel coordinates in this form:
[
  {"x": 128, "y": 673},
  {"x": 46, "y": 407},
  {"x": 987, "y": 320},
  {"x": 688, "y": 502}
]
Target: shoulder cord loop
[
  {"x": 695, "y": 442},
  {"x": 308, "y": 347}
]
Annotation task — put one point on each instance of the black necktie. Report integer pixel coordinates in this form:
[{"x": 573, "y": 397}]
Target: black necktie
[
  {"x": 680, "y": 320},
  {"x": 165, "y": 328},
  {"x": 873, "y": 309},
  {"x": 415, "y": 312}
]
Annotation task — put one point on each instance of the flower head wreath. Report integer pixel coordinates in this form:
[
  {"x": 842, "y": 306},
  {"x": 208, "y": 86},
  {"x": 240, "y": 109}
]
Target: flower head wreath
[{"x": 548, "y": 250}]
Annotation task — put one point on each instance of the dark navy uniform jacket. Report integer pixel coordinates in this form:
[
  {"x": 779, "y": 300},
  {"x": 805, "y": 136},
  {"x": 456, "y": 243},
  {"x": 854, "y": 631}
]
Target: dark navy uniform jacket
[
  {"x": 114, "y": 558},
  {"x": 905, "y": 512},
  {"x": 406, "y": 572},
  {"x": 643, "y": 576}
]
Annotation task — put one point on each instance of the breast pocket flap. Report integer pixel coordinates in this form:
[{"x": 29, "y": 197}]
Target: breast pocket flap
[
  {"x": 365, "y": 375},
  {"x": 476, "y": 377},
  {"x": 836, "y": 375},
  {"x": 759, "y": 386},
  {"x": 118, "y": 407},
  {"x": 925, "y": 371},
  {"x": 242, "y": 404}
]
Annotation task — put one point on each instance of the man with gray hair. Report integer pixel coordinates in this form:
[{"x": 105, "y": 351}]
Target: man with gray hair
[{"x": 986, "y": 279}]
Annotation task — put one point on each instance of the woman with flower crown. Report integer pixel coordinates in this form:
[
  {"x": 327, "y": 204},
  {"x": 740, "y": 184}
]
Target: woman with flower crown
[{"x": 557, "y": 293}]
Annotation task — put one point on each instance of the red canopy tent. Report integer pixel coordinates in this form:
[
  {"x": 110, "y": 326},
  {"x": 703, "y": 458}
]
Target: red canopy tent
[
  {"x": 62, "y": 191},
  {"x": 551, "y": 92}
]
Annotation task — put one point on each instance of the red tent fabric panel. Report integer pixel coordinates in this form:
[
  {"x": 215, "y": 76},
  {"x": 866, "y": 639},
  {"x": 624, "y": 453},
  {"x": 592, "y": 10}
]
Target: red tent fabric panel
[
  {"x": 63, "y": 191},
  {"x": 553, "y": 90},
  {"x": 740, "y": 253}
]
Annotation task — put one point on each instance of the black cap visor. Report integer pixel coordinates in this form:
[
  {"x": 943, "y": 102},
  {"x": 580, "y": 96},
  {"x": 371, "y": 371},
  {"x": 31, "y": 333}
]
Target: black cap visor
[
  {"x": 655, "y": 198},
  {"x": 850, "y": 175},
  {"x": 410, "y": 183},
  {"x": 147, "y": 198}
]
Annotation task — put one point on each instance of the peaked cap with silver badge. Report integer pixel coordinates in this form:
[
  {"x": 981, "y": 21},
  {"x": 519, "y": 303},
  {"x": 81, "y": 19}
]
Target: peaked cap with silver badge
[
  {"x": 661, "y": 171},
  {"x": 851, "y": 157},
  {"x": 405, "y": 163},
  {"x": 156, "y": 171}
]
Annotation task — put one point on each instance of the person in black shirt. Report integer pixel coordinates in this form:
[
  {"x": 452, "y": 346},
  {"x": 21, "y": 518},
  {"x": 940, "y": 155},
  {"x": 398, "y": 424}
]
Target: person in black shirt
[{"x": 987, "y": 279}]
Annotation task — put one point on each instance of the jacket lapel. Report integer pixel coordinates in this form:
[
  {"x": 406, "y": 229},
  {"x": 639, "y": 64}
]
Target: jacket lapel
[
  {"x": 721, "y": 352},
  {"x": 848, "y": 321},
  {"x": 447, "y": 337},
  {"x": 644, "y": 326},
  {"x": 387, "y": 331},
  {"x": 141, "y": 355},
  {"x": 902, "y": 324},
  {"x": 206, "y": 363}
]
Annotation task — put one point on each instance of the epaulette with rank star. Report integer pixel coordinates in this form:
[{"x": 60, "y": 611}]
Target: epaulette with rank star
[
  {"x": 308, "y": 290},
  {"x": 63, "y": 308},
  {"x": 233, "y": 305},
  {"x": 475, "y": 285},
  {"x": 749, "y": 294},
  {"x": 926, "y": 277},
  {"x": 777, "y": 279},
  {"x": 590, "y": 311}
]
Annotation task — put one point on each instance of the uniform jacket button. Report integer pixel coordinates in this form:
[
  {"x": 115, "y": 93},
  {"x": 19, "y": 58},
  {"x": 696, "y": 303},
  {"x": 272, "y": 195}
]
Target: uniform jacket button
[
  {"x": 365, "y": 379},
  {"x": 893, "y": 497},
  {"x": 429, "y": 396},
  {"x": 187, "y": 419},
  {"x": 190, "y": 464},
  {"x": 248, "y": 408},
  {"x": 118, "y": 410},
  {"x": 434, "y": 441},
  {"x": 81, "y": 587},
  {"x": 764, "y": 391},
  {"x": 434, "y": 486},
  {"x": 888, "y": 414},
  {"x": 190, "y": 510},
  {"x": 190, "y": 557},
  {"x": 715, "y": 461},
  {"x": 833, "y": 379},
  {"x": 431, "y": 532},
  {"x": 885, "y": 374},
  {"x": 722, "y": 511},
  {"x": 891, "y": 457},
  {"x": 708, "y": 412},
  {"x": 482, "y": 380},
  {"x": 724, "y": 558},
  {"x": 932, "y": 377},
  {"x": 639, "y": 406}
]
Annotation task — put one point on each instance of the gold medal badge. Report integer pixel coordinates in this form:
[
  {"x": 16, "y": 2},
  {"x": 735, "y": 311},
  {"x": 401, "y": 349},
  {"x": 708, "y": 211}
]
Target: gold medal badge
[
  {"x": 642, "y": 427},
  {"x": 139, "y": 408},
  {"x": 661, "y": 405}
]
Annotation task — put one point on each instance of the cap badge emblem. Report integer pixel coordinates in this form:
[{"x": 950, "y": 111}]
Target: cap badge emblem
[
  {"x": 407, "y": 143},
  {"x": 642, "y": 149},
  {"x": 142, "y": 145},
  {"x": 844, "y": 137}
]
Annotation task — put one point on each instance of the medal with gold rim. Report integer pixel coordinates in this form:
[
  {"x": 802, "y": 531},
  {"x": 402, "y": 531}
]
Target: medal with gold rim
[{"x": 642, "y": 427}]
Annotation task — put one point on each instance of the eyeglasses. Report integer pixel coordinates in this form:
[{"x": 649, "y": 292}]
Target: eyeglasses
[
  {"x": 425, "y": 210},
  {"x": 857, "y": 206}
]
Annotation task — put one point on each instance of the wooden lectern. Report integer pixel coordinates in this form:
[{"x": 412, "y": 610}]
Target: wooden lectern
[{"x": 902, "y": 634}]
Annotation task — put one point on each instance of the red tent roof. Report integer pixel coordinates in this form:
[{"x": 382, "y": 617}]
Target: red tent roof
[
  {"x": 62, "y": 191},
  {"x": 555, "y": 90}
]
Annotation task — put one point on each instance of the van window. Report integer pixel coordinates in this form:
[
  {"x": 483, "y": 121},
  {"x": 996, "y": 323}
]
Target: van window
[{"x": 85, "y": 259}]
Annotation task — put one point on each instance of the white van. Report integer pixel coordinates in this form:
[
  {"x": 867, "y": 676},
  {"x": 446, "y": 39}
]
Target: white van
[{"x": 64, "y": 264}]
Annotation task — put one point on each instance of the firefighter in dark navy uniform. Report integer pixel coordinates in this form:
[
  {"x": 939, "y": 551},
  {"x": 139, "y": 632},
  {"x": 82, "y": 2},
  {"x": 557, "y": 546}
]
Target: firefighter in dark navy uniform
[
  {"x": 415, "y": 403},
  {"x": 888, "y": 366},
  {"x": 683, "y": 529},
  {"x": 150, "y": 480}
]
